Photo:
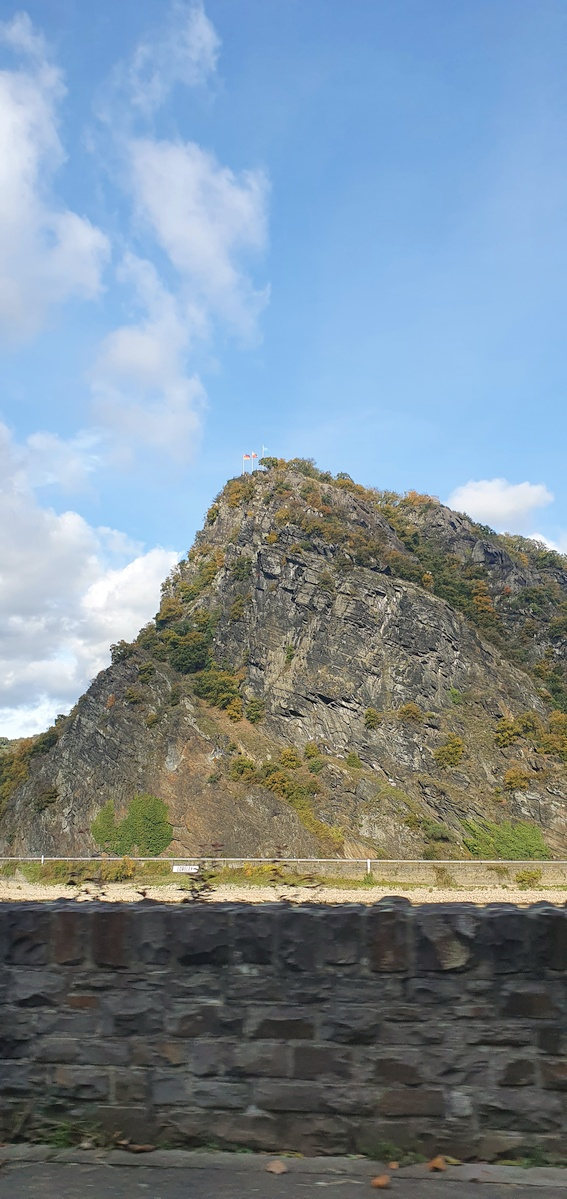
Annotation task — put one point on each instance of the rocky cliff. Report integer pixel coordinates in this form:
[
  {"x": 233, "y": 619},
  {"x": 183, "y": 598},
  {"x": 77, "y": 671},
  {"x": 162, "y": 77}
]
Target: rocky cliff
[{"x": 334, "y": 670}]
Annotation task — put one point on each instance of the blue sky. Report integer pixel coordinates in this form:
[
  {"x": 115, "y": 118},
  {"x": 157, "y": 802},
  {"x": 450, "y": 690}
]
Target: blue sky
[{"x": 336, "y": 230}]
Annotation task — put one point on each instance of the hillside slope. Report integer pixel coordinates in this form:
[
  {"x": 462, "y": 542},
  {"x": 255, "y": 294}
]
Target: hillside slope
[{"x": 333, "y": 670}]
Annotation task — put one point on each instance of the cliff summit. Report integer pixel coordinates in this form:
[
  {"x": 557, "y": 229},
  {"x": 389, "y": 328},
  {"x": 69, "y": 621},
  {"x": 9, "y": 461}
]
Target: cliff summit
[{"x": 334, "y": 671}]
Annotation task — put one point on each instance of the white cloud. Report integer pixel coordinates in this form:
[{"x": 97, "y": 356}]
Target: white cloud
[
  {"x": 47, "y": 253},
  {"x": 196, "y": 218},
  {"x": 144, "y": 395},
  {"x": 505, "y": 506},
  {"x": 67, "y": 590},
  {"x": 559, "y": 544},
  {"x": 67, "y": 464},
  {"x": 205, "y": 218},
  {"x": 185, "y": 50}
]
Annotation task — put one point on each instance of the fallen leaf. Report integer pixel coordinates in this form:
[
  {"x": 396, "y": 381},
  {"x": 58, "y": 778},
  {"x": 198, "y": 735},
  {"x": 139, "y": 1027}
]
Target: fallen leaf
[
  {"x": 437, "y": 1163},
  {"x": 393, "y": 1165},
  {"x": 141, "y": 1148},
  {"x": 453, "y": 1161},
  {"x": 382, "y": 1181},
  {"x": 276, "y": 1167}
]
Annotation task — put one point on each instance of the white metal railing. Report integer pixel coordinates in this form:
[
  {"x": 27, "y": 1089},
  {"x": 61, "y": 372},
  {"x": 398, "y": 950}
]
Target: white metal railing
[{"x": 544, "y": 863}]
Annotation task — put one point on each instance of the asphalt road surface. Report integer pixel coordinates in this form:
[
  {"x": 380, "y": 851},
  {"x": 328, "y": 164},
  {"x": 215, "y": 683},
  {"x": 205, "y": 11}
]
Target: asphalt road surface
[{"x": 48, "y": 1180}]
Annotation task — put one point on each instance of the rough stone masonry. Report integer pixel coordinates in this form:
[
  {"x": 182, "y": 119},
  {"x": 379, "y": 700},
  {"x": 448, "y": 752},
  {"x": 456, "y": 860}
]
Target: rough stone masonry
[{"x": 313, "y": 1028}]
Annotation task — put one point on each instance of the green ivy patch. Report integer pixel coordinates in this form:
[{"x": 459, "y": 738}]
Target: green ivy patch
[
  {"x": 144, "y": 830},
  {"x": 513, "y": 842}
]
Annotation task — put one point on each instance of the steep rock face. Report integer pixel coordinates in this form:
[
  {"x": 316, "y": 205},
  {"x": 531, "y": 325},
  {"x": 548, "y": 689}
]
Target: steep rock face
[{"x": 404, "y": 646}]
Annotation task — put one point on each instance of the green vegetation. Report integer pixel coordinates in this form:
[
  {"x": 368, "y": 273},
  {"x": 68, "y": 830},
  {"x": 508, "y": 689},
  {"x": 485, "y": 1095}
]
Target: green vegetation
[
  {"x": 145, "y": 830},
  {"x": 171, "y": 609},
  {"x": 509, "y": 842},
  {"x": 516, "y": 779},
  {"x": 64, "y": 1134},
  {"x": 255, "y": 711},
  {"x": 289, "y": 654},
  {"x": 235, "y": 709},
  {"x": 241, "y": 569},
  {"x": 527, "y": 879},
  {"x": 243, "y": 769},
  {"x": 15, "y": 763},
  {"x": 237, "y": 608},
  {"x": 433, "y": 831},
  {"x": 440, "y": 842},
  {"x": 548, "y": 737},
  {"x": 238, "y": 491},
  {"x": 311, "y": 750},
  {"x": 506, "y": 733},
  {"x": 352, "y": 759},
  {"x": 410, "y": 713},
  {"x": 372, "y": 718},
  {"x": 208, "y": 560},
  {"x": 298, "y": 793},
  {"x": 451, "y": 752},
  {"x": 290, "y": 759},
  {"x": 190, "y": 652},
  {"x": 388, "y": 1151},
  {"x": 218, "y": 687},
  {"x": 97, "y": 871},
  {"x": 44, "y": 742},
  {"x": 315, "y": 765},
  {"x": 299, "y": 797},
  {"x": 120, "y": 651}
]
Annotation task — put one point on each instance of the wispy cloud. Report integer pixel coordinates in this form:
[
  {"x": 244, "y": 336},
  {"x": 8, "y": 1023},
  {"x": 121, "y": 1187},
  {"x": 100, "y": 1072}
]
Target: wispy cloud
[
  {"x": 505, "y": 506},
  {"x": 206, "y": 219},
  {"x": 558, "y": 543},
  {"x": 47, "y": 252},
  {"x": 144, "y": 394},
  {"x": 205, "y": 222},
  {"x": 183, "y": 51}
]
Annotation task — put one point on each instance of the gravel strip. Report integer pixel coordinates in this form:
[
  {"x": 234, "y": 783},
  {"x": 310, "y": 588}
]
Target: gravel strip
[{"x": 16, "y": 889}]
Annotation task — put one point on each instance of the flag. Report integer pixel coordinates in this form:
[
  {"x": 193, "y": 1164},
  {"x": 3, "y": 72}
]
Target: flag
[
  {"x": 246, "y": 457},
  {"x": 253, "y": 455}
]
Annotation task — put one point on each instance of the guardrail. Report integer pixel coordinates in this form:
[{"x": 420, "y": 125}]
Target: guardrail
[
  {"x": 411, "y": 872},
  {"x": 113, "y": 857}
]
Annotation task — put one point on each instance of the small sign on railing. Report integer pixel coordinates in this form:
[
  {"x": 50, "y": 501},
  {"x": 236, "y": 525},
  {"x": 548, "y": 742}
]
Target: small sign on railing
[{"x": 185, "y": 869}]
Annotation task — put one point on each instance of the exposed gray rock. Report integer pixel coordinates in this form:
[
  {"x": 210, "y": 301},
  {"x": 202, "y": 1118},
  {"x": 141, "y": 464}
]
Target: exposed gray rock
[{"x": 319, "y": 640}]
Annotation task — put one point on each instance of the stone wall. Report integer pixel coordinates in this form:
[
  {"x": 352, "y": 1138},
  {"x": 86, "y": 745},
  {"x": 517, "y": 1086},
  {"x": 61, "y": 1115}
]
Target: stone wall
[{"x": 319, "y": 1029}]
